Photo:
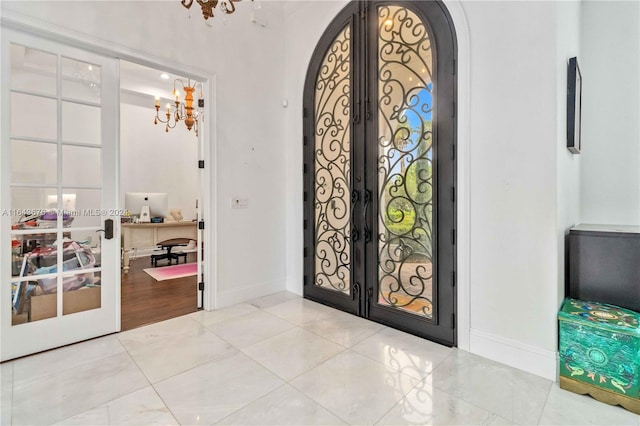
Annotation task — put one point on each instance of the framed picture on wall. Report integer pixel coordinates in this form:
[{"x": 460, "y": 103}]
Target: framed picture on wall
[{"x": 574, "y": 106}]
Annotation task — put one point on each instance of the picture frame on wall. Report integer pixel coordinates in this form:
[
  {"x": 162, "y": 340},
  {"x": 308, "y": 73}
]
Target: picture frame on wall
[{"x": 574, "y": 106}]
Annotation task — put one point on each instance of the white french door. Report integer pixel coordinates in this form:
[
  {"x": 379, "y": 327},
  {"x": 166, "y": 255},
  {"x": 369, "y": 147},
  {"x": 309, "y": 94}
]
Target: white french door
[{"x": 59, "y": 229}]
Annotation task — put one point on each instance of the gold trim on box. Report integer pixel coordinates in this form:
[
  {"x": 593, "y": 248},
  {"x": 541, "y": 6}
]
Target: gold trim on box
[{"x": 602, "y": 395}]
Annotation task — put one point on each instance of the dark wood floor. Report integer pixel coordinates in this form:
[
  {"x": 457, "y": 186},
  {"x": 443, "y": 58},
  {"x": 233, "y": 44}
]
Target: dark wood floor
[{"x": 145, "y": 300}]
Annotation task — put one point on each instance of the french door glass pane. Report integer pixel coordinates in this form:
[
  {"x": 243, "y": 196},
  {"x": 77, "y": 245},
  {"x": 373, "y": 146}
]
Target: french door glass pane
[
  {"x": 31, "y": 201},
  {"x": 81, "y": 292},
  {"x": 405, "y": 161},
  {"x": 81, "y": 166},
  {"x": 34, "y": 162},
  {"x": 333, "y": 167},
  {"x": 23, "y": 245},
  {"x": 33, "y": 70},
  {"x": 81, "y": 80},
  {"x": 31, "y": 117},
  {"x": 29, "y": 304},
  {"x": 81, "y": 123},
  {"x": 85, "y": 207}
]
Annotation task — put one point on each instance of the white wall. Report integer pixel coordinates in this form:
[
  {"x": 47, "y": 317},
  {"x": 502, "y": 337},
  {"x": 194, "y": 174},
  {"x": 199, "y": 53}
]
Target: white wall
[
  {"x": 152, "y": 160},
  {"x": 248, "y": 63},
  {"x": 569, "y": 182},
  {"x": 513, "y": 182},
  {"x": 610, "y": 66}
]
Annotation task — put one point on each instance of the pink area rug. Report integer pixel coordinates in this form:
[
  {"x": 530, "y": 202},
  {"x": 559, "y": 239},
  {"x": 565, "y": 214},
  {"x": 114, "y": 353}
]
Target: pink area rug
[{"x": 174, "y": 271}]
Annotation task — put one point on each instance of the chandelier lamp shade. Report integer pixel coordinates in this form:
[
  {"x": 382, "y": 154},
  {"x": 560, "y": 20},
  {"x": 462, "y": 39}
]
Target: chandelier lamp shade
[
  {"x": 226, "y": 6},
  {"x": 182, "y": 110}
]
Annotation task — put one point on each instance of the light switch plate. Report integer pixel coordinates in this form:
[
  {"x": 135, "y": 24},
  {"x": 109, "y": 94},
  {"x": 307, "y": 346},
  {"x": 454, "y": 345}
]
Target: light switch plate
[{"x": 239, "y": 203}]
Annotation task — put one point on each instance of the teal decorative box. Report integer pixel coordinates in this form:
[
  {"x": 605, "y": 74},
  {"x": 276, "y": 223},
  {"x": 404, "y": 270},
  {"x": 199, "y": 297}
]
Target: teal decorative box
[{"x": 600, "y": 352}]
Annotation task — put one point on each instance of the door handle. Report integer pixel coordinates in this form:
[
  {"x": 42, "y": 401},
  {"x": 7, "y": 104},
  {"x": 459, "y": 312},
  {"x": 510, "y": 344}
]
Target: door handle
[
  {"x": 355, "y": 200},
  {"x": 108, "y": 229},
  {"x": 367, "y": 228}
]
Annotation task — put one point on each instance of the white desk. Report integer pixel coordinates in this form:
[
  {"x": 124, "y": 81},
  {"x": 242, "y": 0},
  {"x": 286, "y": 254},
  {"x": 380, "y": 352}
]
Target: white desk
[{"x": 141, "y": 235}]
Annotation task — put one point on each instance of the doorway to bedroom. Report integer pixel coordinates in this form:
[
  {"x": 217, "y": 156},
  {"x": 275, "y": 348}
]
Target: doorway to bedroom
[{"x": 159, "y": 190}]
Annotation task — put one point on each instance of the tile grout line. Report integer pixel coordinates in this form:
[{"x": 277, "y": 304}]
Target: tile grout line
[
  {"x": 165, "y": 404},
  {"x": 149, "y": 381},
  {"x": 254, "y": 343},
  {"x": 251, "y": 402},
  {"x": 29, "y": 382},
  {"x": 544, "y": 406},
  {"x": 310, "y": 397}
]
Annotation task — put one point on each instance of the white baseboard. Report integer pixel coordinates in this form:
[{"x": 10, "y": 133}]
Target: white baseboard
[
  {"x": 294, "y": 285},
  {"x": 232, "y": 297},
  {"x": 531, "y": 359}
]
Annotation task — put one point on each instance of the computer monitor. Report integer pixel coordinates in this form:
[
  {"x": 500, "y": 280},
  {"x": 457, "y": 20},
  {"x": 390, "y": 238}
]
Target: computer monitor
[{"x": 158, "y": 203}]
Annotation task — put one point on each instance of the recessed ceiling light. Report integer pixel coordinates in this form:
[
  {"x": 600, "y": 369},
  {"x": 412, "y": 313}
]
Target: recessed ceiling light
[{"x": 164, "y": 76}]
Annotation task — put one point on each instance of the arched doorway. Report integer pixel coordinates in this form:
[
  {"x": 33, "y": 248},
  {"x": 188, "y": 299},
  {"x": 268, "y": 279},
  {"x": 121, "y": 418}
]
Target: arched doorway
[{"x": 380, "y": 167}]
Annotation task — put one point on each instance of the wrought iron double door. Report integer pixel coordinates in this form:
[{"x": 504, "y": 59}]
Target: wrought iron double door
[{"x": 379, "y": 167}]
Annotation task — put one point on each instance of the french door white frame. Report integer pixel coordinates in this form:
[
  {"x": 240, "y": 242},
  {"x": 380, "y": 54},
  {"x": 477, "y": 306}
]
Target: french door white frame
[
  {"x": 207, "y": 141},
  {"x": 24, "y": 339}
]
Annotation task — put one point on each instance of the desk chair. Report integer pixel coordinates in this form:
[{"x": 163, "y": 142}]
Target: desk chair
[{"x": 168, "y": 245}]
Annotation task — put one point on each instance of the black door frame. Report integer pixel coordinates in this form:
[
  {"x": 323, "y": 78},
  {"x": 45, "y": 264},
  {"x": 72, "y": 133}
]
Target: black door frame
[{"x": 364, "y": 185}]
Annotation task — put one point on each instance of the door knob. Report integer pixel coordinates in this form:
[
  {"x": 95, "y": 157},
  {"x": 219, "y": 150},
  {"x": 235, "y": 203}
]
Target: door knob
[{"x": 108, "y": 229}]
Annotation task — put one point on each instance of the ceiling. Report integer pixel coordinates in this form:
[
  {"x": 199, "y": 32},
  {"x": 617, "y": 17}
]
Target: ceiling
[{"x": 147, "y": 81}]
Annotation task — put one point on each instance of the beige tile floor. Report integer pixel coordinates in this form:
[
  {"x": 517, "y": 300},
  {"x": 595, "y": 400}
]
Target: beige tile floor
[{"x": 281, "y": 360}]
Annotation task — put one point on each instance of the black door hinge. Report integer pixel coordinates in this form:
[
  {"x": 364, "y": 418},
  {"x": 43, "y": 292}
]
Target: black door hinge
[
  {"x": 201, "y": 224},
  {"x": 370, "y": 293},
  {"x": 453, "y": 278},
  {"x": 304, "y": 168},
  {"x": 304, "y": 252},
  {"x": 304, "y": 196},
  {"x": 304, "y": 224},
  {"x": 453, "y": 236},
  {"x": 453, "y": 194},
  {"x": 453, "y": 152},
  {"x": 304, "y": 113},
  {"x": 201, "y": 164},
  {"x": 305, "y": 280},
  {"x": 201, "y": 286},
  {"x": 453, "y": 320}
]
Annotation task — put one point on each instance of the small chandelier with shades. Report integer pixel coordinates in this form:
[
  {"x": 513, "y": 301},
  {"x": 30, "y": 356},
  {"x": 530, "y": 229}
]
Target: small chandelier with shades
[
  {"x": 208, "y": 6},
  {"x": 183, "y": 111}
]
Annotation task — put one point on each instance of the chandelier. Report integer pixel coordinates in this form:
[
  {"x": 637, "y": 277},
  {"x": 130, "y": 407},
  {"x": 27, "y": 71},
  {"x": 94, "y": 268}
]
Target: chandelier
[
  {"x": 207, "y": 6},
  {"x": 183, "y": 111}
]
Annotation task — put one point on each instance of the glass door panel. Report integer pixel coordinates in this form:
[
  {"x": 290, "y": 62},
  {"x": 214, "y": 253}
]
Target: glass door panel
[
  {"x": 329, "y": 230},
  {"x": 24, "y": 109},
  {"x": 81, "y": 166},
  {"x": 333, "y": 168},
  {"x": 405, "y": 158},
  {"x": 81, "y": 123},
  {"x": 64, "y": 271},
  {"x": 81, "y": 80},
  {"x": 36, "y": 70},
  {"x": 42, "y": 167}
]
